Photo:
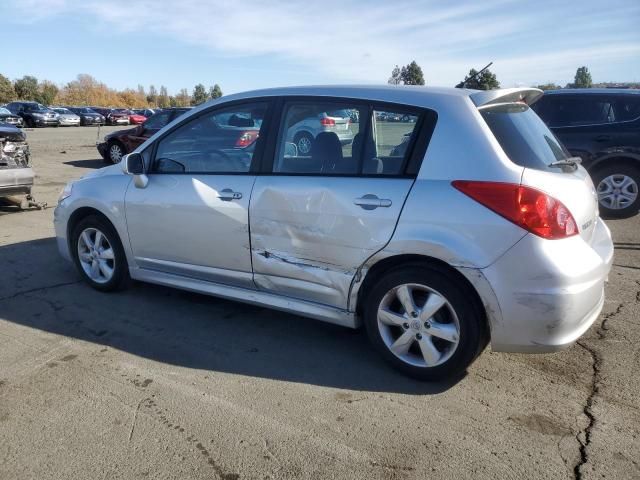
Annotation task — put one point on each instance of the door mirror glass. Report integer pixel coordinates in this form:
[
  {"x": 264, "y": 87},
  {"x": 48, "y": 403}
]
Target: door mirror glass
[{"x": 135, "y": 164}]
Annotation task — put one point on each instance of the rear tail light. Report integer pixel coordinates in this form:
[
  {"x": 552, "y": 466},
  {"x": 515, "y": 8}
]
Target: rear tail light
[
  {"x": 531, "y": 209},
  {"x": 246, "y": 139},
  {"x": 327, "y": 122}
]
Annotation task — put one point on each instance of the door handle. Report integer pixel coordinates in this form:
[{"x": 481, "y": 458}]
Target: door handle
[
  {"x": 603, "y": 138},
  {"x": 227, "y": 194},
  {"x": 371, "y": 202}
]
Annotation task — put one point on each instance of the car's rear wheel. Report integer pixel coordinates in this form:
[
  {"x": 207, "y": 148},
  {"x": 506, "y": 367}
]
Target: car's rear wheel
[
  {"x": 618, "y": 190},
  {"x": 115, "y": 152},
  {"x": 98, "y": 254},
  {"x": 303, "y": 141},
  {"x": 421, "y": 320}
]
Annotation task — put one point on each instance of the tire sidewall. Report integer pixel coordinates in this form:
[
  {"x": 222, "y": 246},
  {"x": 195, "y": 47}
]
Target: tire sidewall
[
  {"x": 121, "y": 271},
  {"x": 623, "y": 169},
  {"x": 471, "y": 339}
]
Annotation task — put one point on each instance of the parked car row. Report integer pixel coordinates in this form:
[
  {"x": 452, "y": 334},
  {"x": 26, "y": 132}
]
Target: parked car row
[{"x": 34, "y": 114}]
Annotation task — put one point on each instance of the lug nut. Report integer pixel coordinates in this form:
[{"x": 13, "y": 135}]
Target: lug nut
[
  {"x": 427, "y": 325},
  {"x": 414, "y": 314},
  {"x": 405, "y": 326},
  {"x": 419, "y": 336}
]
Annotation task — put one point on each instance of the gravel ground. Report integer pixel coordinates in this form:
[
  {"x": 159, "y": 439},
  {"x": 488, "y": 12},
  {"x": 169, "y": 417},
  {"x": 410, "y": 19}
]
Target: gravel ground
[{"x": 158, "y": 383}]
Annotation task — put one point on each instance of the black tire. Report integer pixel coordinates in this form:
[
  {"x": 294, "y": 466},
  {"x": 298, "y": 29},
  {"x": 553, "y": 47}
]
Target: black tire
[
  {"x": 618, "y": 170},
  {"x": 303, "y": 141},
  {"x": 111, "y": 155},
  {"x": 473, "y": 334},
  {"x": 30, "y": 123},
  {"x": 120, "y": 278}
]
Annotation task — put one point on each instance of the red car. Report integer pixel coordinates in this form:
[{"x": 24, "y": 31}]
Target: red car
[{"x": 134, "y": 118}]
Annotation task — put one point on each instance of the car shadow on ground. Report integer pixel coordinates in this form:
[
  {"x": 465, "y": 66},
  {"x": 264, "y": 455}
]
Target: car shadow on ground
[
  {"x": 41, "y": 291},
  {"x": 89, "y": 163}
]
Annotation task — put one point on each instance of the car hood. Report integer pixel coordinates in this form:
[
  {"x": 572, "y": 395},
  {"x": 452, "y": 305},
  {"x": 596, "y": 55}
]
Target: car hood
[
  {"x": 119, "y": 133},
  {"x": 12, "y": 134},
  {"x": 103, "y": 172}
]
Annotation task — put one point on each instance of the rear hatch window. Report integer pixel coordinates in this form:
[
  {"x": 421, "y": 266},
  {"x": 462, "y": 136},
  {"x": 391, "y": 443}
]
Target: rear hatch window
[{"x": 523, "y": 136}]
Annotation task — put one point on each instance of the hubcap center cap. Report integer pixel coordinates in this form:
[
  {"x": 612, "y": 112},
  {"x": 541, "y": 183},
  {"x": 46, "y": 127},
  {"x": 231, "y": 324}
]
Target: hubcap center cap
[{"x": 415, "y": 325}]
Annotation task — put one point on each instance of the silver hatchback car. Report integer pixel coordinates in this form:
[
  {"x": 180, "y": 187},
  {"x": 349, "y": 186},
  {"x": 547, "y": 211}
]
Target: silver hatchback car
[{"x": 467, "y": 224}]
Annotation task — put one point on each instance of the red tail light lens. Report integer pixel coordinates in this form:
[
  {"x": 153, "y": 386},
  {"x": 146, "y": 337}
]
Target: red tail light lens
[
  {"x": 327, "y": 122},
  {"x": 246, "y": 139},
  {"x": 531, "y": 209}
]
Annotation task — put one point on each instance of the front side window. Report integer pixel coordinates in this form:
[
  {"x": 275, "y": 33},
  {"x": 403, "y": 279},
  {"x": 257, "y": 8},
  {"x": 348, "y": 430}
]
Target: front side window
[{"x": 218, "y": 141}]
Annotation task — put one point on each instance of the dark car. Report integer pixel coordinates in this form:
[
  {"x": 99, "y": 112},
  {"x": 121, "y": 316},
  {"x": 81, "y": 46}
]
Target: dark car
[
  {"x": 113, "y": 116},
  {"x": 88, "y": 116},
  {"x": 601, "y": 126},
  {"x": 34, "y": 114},
  {"x": 121, "y": 142},
  {"x": 7, "y": 117}
]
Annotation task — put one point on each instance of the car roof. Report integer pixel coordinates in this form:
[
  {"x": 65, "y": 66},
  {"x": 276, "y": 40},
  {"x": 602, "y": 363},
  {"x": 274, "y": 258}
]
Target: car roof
[
  {"x": 404, "y": 94},
  {"x": 594, "y": 91}
]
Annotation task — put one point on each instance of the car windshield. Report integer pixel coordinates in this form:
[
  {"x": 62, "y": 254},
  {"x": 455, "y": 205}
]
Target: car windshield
[
  {"x": 36, "y": 107},
  {"x": 4, "y": 111},
  {"x": 84, "y": 110},
  {"x": 523, "y": 136},
  {"x": 63, "y": 111}
]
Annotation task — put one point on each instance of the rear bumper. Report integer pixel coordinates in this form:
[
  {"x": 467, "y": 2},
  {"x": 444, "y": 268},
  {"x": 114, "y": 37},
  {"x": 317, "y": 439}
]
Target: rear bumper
[{"x": 549, "y": 292}]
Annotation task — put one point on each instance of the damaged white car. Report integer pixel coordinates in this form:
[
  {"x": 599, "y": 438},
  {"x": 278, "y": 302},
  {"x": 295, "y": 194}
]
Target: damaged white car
[
  {"x": 466, "y": 224},
  {"x": 16, "y": 174}
]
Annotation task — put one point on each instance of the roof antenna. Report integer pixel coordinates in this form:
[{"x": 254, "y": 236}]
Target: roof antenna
[{"x": 463, "y": 84}]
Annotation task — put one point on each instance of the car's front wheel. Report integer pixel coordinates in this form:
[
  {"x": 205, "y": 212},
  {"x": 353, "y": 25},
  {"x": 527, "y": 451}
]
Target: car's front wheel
[
  {"x": 98, "y": 254},
  {"x": 617, "y": 187},
  {"x": 421, "y": 320},
  {"x": 115, "y": 152}
]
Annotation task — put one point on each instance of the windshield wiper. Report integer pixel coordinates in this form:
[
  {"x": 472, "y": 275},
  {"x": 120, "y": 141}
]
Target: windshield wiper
[{"x": 567, "y": 162}]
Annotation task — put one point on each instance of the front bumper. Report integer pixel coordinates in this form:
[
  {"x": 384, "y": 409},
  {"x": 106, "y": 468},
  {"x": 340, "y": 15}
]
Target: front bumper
[
  {"x": 549, "y": 292},
  {"x": 69, "y": 122},
  {"x": 46, "y": 122},
  {"x": 16, "y": 181},
  {"x": 60, "y": 218}
]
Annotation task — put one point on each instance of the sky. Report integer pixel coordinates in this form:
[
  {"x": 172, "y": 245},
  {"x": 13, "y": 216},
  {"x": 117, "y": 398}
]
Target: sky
[{"x": 249, "y": 44}]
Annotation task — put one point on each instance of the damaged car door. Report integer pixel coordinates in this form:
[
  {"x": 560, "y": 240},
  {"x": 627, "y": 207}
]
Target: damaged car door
[
  {"x": 319, "y": 214},
  {"x": 191, "y": 218}
]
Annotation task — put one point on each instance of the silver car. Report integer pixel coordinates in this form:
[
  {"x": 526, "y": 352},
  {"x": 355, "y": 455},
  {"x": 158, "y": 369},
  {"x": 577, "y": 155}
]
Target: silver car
[
  {"x": 469, "y": 225},
  {"x": 16, "y": 174},
  {"x": 66, "y": 117}
]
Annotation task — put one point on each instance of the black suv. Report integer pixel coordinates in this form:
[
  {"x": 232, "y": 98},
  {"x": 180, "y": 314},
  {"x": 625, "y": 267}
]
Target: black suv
[
  {"x": 34, "y": 114},
  {"x": 602, "y": 126}
]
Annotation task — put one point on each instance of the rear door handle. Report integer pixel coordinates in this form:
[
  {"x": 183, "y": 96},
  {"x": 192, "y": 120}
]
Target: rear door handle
[
  {"x": 371, "y": 202},
  {"x": 227, "y": 194}
]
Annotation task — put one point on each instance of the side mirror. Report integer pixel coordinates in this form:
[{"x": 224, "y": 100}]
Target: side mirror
[{"x": 133, "y": 164}]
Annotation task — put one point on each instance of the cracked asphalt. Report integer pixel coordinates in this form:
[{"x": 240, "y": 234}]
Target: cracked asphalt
[{"x": 158, "y": 383}]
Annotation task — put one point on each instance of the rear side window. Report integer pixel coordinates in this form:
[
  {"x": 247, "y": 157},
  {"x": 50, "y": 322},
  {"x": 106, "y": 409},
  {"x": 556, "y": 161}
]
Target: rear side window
[
  {"x": 627, "y": 108},
  {"x": 576, "y": 110},
  {"x": 523, "y": 136}
]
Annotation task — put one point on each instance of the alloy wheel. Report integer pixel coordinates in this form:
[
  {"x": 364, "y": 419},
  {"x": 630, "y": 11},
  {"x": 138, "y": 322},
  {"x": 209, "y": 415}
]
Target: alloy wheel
[
  {"x": 418, "y": 325},
  {"x": 115, "y": 153},
  {"x": 96, "y": 255},
  {"x": 304, "y": 145},
  {"x": 617, "y": 191}
]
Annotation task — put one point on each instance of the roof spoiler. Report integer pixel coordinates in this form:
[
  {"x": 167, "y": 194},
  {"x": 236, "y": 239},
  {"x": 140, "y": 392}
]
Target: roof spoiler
[{"x": 484, "y": 98}]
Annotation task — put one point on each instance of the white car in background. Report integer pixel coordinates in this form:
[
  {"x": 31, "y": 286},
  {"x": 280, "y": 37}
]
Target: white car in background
[{"x": 66, "y": 117}]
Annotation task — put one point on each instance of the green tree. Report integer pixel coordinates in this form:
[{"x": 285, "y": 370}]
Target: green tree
[
  {"x": 412, "y": 74},
  {"x": 582, "y": 78},
  {"x": 548, "y": 86},
  {"x": 395, "y": 78},
  {"x": 215, "y": 92},
  {"x": 485, "y": 81},
  {"x": 7, "y": 93},
  {"x": 199, "y": 95},
  {"x": 182, "y": 99},
  {"x": 26, "y": 88},
  {"x": 47, "y": 92}
]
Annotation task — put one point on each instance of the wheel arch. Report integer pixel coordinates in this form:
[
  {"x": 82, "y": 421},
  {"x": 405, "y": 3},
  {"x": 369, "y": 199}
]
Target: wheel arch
[
  {"x": 626, "y": 158},
  {"x": 378, "y": 269}
]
